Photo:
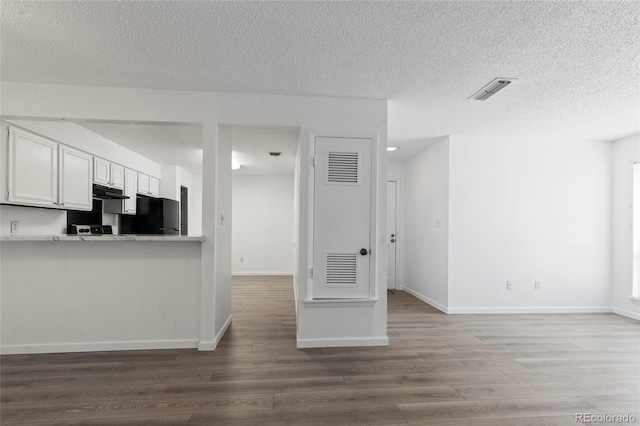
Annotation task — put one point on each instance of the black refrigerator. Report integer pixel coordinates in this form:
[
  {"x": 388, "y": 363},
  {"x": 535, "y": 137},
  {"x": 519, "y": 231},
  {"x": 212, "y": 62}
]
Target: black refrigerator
[{"x": 154, "y": 216}]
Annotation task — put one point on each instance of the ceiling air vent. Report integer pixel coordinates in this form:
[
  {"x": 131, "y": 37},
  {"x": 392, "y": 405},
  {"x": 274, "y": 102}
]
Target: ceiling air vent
[{"x": 491, "y": 89}]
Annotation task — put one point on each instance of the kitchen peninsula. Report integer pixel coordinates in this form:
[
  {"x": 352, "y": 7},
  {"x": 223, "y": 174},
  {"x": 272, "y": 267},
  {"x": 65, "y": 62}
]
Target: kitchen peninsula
[{"x": 85, "y": 292}]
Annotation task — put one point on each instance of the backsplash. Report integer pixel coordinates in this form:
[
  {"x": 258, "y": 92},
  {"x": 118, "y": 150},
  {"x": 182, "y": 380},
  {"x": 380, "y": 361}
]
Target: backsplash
[{"x": 39, "y": 221}]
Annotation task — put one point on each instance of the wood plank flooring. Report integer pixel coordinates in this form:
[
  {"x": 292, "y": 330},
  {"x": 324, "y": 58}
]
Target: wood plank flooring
[{"x": 491, "y": 370}]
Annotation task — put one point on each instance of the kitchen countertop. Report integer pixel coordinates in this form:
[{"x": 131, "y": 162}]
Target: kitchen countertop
[{"x": 101, "y": 238}]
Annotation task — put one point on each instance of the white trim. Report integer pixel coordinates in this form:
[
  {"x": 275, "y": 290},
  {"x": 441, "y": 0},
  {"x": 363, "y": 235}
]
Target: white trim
[
  {"x": 206, "y": 345},
  {"x": 532, "y": 310},
  {"x": 210, "y": 345},
  {"x": 635, "y": 298},
  {"x": 628, "y": 314},
  {"x": 427, "y": 300},
  {"x": 339, "y": 303},
  {"x": 250, "y": 274},
  {"x": 343, "y": 342},
  {"x": 41, "y": 348}
]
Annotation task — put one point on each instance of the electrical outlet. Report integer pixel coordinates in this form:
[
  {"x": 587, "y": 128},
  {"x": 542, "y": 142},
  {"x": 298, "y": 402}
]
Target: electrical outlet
[
  {"x": 509, "y": 285},
  {"x": 14, "y": 226},
  {"x": 241, "y": 259},
  {"x": 537, "y": 285}
]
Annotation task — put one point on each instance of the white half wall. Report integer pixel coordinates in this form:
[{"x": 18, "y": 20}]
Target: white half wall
[
  {"x": 426, "y": 228},
  {"x": 625, "y": 153},
  {"x": 528, "y": 211},
  {"x": 262, "y": 225},
  {"x": 60, "y": 297}
]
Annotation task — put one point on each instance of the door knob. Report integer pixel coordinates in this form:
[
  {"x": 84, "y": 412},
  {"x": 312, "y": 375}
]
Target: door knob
[
  {"x": 393, "y": 235},
  {"x": 364, "y": 252},
  {"x": 393, "y": 241}
]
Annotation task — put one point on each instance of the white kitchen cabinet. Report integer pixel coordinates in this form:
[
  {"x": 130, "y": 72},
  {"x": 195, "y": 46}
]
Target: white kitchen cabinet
[
  {"x": 117, "y": 176},
  {"x": 130, "y": 190},
  {"x": 107, "y": 173},
  {"x": 33, "y": 169},
  {"x": 128, "y": 205},
  {"x": 148, "y": 185},
  {"x": 154, "y": 187},
  {"x": 143, "y": 184},
  {"x": 101, "y": 171},
  {"x": 76, "y": 170}
]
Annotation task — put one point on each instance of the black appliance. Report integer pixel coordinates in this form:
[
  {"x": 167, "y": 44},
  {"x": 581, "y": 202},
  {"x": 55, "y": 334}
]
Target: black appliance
[
  {"x": 154, "y": 216},
  {"x": 106, "y": 193},
  {"x": 89, "y": 229}
]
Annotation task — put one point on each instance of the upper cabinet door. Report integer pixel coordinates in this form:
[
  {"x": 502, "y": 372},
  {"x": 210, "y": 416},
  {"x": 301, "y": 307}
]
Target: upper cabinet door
[
  {"x": 101, "y": 171},
  {"x": 76, "y": 169},
  {"x": 143, "y": 184},
  {"x": 130, "y": 190},
  {"x": 33, "y": 169},
  {"x": 117, "y": 176},
  {"x": 154, "y": 187}
]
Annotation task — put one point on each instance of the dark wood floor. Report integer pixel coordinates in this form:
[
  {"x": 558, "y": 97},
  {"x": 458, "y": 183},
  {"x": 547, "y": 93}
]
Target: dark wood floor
[{"x": 485, "y": 370}]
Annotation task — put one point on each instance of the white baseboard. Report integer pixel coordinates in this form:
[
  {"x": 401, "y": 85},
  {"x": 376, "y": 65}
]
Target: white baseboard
[
  {"x": 251, "y": 274},
  {"x": 426, "y": 300},
  {"x": 223, "y": 330},
  {"x": 624, "y": 313},
  {"x": 50, "y": 348},
  {"x": 532, "y": 310},
  {"x": 210, "y": 345},
  {"x": 342, "y": 342}
]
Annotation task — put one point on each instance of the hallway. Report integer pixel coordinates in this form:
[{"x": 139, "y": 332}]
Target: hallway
[{"x": 439, "y": 370}]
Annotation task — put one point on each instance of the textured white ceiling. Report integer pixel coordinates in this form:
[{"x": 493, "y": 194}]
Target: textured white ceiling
[
  {"x": 578, "y": 62},
  {"x": 168, "y": 144},
  {"x": 251, "y": 147}
]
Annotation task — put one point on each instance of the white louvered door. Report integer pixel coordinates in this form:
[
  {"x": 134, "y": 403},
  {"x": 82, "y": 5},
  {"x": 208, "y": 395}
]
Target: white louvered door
[{"x": 342, "y": 218}]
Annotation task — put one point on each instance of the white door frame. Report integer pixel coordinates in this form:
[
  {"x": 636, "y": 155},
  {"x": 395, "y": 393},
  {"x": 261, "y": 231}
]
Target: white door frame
[{"x": 395, "y": 208}]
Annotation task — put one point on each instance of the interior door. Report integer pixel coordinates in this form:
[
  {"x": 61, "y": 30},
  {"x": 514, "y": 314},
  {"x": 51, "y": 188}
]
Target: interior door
[
  {"x": 392, "y": 234},
  {"x": 342, "y": 218}
]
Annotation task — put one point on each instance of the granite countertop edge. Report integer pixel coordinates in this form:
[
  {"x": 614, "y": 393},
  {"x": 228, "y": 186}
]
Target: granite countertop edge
[{"x": 102, "y": 238}]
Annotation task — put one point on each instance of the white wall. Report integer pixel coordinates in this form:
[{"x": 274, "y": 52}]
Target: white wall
[
  {"x": 426, "y": 236},
  {"x": 33, "y": 221},
  {"x": 529, "y": 211},
  {"x": 263, "y": 225},
  {"x": 625, "y": 153},
  {"x": 61, "y": 297},
  {"x": 352, "y": 117}
]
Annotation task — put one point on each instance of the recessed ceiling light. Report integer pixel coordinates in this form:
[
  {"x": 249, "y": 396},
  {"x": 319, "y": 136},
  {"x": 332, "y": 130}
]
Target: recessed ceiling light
[
  {"x": 391, "y": 148},
  {"x": 491, "y": 89}
]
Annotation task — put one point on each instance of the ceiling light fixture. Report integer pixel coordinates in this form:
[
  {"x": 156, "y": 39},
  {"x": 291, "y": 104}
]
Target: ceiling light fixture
[
  {"x": 491, "y": 89},
  {"x": 391, "y": 148}
]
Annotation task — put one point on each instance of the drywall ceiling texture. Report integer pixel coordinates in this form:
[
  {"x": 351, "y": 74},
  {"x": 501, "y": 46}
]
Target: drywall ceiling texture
[
  {"x": 168, "y": 144},
  {"x": 251, "y": 147},
  {"x": 578, "y": 62}
]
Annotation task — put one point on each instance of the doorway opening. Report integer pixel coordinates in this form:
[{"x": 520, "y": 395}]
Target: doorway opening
[{"x": 263, "y": 221}]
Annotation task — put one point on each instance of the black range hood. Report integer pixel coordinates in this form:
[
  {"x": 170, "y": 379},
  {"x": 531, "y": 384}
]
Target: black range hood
[{"x": 105, "y": 193}]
